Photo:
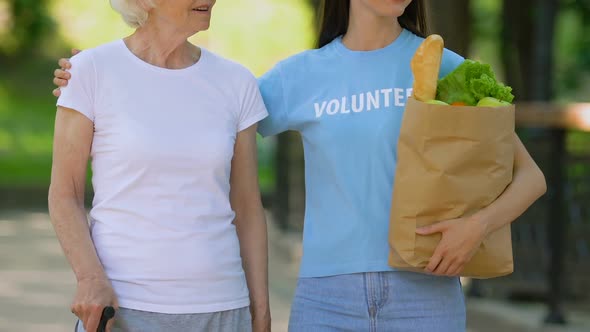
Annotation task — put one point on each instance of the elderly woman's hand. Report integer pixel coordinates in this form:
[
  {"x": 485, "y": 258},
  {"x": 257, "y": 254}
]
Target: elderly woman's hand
[
  {"x": 92, "y": 296},
  {"x": 61, "y": 75}
]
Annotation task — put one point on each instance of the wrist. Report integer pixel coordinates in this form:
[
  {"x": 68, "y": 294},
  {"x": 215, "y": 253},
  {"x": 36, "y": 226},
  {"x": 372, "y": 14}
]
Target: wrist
[
  {"x": 260, "y": 311},
  {"x": 92, "y": 277},
  {"x": 483, "y": 220}
]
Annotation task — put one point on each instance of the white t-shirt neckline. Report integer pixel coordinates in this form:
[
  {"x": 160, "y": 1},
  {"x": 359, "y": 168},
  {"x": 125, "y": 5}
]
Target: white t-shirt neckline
[{"x": 167, "y": 71}]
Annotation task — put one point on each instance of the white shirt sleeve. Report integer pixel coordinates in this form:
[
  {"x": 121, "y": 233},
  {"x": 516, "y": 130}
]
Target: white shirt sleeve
[
  {"x": 79, "y": 94},
  {"x": 252, "y": 107}
]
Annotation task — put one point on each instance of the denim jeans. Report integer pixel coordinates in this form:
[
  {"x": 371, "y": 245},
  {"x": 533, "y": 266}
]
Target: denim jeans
[{"x": 378, "y": 301}]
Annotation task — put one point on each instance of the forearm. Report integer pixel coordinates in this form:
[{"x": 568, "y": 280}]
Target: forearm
[
  {"x": 68, "y": 217},
  {"x": 252, "y": 233},
  {"x": 528, "y": 184}
]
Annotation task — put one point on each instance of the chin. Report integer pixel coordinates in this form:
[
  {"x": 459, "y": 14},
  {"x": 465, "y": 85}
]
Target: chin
[
  {"x": 201, "y": 27},
  {"x": 393, "y": 13},
  {"x": 393, "y": 8},
  {"x": 204, "y": 27}
]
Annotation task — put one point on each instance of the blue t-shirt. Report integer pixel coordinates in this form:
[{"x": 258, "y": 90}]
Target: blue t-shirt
[{"x": 347, "y": 106}]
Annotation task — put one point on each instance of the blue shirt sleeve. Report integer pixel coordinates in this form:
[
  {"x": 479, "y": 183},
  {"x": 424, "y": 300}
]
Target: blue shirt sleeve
[
  {"x": 450, "y": 61},
  {"x": 273, "y": 94}
]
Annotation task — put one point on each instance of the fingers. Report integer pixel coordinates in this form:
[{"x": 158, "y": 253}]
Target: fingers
[
  {"x": 59, "y": 82},
  {"x": 450, "y": 266},
  {"x": 456, "y": 269},
  {"x": 434, "y": 261},
  {"x": 434, "y": 228},
  {"x": 64, "y": 63},
  {"x": 79, "y": 312},
  {"x": 110, "y": 325},
  {"x": 443, "y": 267},
  {"x": 94, "y": 313},
  {"x": 60, "y": 73},
  {"x": 89, "y": 315}
]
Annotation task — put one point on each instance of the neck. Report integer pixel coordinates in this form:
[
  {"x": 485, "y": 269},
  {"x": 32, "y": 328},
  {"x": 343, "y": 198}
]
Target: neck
[
  {"x": 162, "y": 46},
  {"x": 367, "y": 32}
]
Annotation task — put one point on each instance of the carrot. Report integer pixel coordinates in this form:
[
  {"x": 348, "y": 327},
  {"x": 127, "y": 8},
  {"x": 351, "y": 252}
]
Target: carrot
[{"x": 458, "y": 103}]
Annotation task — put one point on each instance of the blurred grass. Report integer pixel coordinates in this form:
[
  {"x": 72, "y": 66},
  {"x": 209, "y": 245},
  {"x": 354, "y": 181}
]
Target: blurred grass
[
  {"x": 26, "y": 124},
  {"x": 240, "y": 31}
]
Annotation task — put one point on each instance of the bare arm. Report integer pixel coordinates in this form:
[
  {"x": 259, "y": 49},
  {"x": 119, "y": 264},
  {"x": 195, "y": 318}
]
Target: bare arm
[
  {"x": 71, "y": 149},
  {"x": 462, "y": 236},
  {"x": 251, "y": 225},
  {"x": 528, "y": 184}
]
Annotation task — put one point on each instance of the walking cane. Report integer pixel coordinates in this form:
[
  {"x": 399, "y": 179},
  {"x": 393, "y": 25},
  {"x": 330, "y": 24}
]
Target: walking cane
[{"x": 107, "y": 314}]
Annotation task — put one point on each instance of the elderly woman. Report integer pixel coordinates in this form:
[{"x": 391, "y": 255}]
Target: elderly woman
[{"x": 176, "y": 239}]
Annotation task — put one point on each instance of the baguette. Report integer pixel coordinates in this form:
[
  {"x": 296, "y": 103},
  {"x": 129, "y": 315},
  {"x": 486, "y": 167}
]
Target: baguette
[{"x": 426, "y": 67}]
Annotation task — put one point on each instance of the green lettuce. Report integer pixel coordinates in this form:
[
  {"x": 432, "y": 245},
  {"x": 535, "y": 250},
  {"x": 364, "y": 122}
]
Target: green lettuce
[{"x": 469, "y": 83}]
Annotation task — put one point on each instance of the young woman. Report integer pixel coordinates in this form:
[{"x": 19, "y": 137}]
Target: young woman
[{"x": 346, "y": 98}]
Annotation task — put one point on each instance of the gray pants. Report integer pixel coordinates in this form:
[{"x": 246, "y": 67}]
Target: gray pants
[{"x": 127, "y": 320}]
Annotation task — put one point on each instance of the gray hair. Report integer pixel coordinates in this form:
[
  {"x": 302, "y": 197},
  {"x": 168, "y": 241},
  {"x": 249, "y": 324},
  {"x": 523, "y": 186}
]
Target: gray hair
[{"x": 134, "y": 12}]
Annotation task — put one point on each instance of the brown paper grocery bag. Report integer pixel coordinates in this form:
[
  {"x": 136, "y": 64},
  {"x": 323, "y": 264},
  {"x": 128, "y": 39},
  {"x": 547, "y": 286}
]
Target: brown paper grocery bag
[{"x": 451, "y": 162}]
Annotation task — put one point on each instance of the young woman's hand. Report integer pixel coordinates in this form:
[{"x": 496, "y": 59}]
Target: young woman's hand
[
  {"x": 460, "y": 240},
  {"x": 61, "y": 75},
  {"x": 92, "y": 296}
]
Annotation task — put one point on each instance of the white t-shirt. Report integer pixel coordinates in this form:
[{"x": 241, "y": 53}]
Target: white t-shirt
[{"x": 163, "y": 143}]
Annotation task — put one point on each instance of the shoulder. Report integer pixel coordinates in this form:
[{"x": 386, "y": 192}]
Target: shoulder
[
  {"x": 92, "y": 56},
  {"x": 305, "y": 59},
  {"x": 228, "y": 69},
  {"x": 298, "y": 65},
  {"x": 450, "y": 59},
  {"x": 415, "y": 41}
]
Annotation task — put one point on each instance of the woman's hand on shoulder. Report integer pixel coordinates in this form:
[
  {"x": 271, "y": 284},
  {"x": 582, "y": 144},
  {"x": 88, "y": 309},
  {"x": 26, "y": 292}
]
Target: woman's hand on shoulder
[{"x": 61, "y": 75}]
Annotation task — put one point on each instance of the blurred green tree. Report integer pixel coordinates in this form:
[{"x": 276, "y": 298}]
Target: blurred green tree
[
  {"x": 452, "y": 20},
  {"x": 573, "y": 50},
  {"x": 29, "y": 23},
  {"x": 527, "y": 47}
]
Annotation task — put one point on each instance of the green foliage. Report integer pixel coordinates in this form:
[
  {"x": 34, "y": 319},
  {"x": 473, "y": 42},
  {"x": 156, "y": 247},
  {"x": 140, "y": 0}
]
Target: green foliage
[
  {"x": 572, "y": 50},
  {"x": 30, "y": 22},
  {"x": 26, "y": 125},
  {"x": 486, "y": 23},
  {"x": 256, "y": 38},
  {"x": 256, "y": 33}
]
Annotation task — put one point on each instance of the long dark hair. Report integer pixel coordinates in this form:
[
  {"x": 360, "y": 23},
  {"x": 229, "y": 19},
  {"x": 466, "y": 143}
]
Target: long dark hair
[{"x": 334, "y": 15}]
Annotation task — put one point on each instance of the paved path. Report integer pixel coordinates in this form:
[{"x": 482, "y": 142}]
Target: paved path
[{"x": 36, "y": 285}]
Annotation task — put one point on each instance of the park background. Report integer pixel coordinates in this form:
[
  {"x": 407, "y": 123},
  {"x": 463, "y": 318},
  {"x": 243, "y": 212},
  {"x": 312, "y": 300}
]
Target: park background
[{"x": 540, "y": 47}]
